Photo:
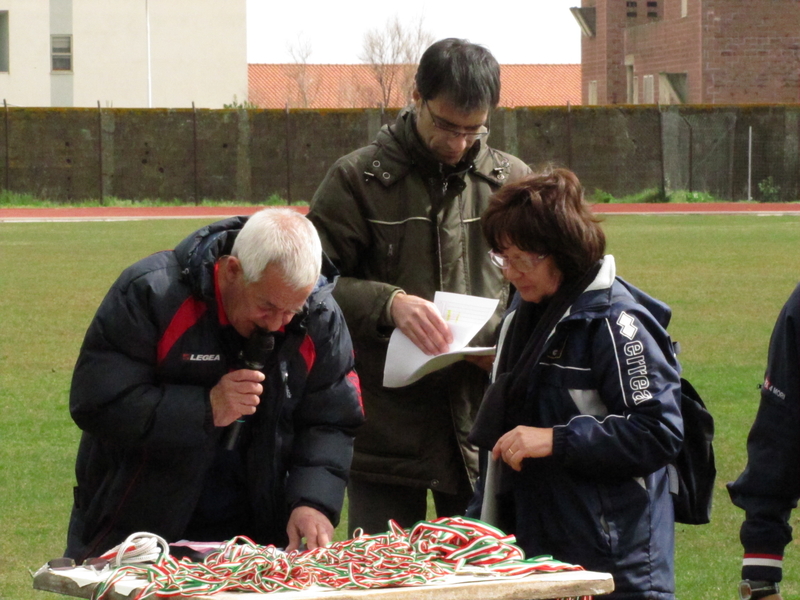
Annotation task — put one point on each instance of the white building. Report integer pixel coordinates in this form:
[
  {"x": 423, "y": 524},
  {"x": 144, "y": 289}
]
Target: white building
[{"x": 123, "y": 53}]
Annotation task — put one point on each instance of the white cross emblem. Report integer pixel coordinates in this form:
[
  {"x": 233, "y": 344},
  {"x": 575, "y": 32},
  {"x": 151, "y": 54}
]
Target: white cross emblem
[{"x": 626, "y": 326}]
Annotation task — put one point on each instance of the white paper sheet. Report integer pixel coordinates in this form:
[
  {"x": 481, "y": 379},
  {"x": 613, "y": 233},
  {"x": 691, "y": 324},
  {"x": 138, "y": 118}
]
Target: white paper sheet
[{"x": 466, "y": 315}]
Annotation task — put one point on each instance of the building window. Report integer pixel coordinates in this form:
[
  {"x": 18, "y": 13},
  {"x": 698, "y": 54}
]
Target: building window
[
  {"x": 652, "y": 10},
  {"x": 586, "y": 18},
  {"x": 649, "y": 89},
  {"x": 684, "y": 8},
  {"x": 631, "y": 14},
  {"x": 61, "y": 52},
  {"x": 4, "y": 41},
  {"x": 673, "y": 88}
]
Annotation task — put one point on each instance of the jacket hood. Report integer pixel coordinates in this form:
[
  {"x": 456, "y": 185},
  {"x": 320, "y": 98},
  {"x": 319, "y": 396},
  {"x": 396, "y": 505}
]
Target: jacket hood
[
  {"x": 596, "y": 301},
  {"x": 198, "y": 253},
  {"x": 398, "y": 148}
]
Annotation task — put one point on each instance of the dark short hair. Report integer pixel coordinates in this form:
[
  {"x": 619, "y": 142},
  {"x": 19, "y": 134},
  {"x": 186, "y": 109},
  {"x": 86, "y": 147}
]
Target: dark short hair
[
  {"x": 546, "y": 213},
  {"x": 464, "y": 73}
]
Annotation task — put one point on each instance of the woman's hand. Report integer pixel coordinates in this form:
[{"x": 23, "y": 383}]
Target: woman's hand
[
  {"x": 483, "y": 362},
  {"x": 523, "y": 442}
]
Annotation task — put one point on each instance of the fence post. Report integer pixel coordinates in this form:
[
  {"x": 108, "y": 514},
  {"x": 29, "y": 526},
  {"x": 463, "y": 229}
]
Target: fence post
[
  {"x": 194, "y": 152},
  {"x": 661, "y": 148},
  {"x": 8, "y": 145},
  {"x": 569, "y": 135},
  {"x": 288, "y": 158},
  {"x": 750, "y": 162},
  {"x": 244, "y": 183},
  {"x": 100, "y": 152}
]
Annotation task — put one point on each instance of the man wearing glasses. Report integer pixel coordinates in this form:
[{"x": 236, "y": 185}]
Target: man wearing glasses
[{"x": 400, "y": 218}]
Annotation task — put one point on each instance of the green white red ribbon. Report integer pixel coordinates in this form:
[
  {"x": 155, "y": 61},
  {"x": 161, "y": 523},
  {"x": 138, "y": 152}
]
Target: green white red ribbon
[{"x": 428, "y": 552}]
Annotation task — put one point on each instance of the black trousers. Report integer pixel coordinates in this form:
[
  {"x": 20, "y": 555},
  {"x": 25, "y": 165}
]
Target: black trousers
[{"x": 371, "y": 505}]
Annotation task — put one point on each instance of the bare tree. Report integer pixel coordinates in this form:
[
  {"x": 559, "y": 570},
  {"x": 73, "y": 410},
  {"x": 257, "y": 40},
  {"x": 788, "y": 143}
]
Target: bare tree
[
  {"x": 307, "y": 87},
  {"x": 392, "y": 54}
]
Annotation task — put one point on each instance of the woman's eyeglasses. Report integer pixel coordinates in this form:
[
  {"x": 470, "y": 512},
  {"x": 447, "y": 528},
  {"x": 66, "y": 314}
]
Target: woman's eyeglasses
[{"x": 523, "y": 264}]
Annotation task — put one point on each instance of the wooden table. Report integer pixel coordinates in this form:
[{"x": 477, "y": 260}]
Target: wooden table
[{"x": 565, "y": 584}]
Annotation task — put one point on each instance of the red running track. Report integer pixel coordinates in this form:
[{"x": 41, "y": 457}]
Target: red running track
[{"x": 115, "y": 213}]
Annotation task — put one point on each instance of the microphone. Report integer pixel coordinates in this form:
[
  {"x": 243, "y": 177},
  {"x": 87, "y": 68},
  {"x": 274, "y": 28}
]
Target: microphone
[{"x": 254, "y": 356}]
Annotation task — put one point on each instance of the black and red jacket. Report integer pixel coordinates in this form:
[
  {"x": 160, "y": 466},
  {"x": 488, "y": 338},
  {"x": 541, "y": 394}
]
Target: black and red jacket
[
  {"x": 140, "y": 392},
  {"x": 769, "y": 487}
]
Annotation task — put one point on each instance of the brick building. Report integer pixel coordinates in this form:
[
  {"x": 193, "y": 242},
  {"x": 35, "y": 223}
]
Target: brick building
[
  {"x": 690, "y": 51},
  {"x": 354, "y": 86}
]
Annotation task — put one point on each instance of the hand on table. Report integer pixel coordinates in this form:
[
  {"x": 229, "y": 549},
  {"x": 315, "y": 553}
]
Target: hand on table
[{"x": 311, "y": 524}]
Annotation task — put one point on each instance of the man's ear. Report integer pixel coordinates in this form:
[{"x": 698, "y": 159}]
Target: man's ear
[{"x": 231, "y": 268}]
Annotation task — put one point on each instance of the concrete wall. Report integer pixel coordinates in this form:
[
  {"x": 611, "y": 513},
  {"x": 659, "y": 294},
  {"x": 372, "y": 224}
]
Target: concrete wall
[
  {"x": 249, "y": 155},
  {"x": 197, "y": 53}
]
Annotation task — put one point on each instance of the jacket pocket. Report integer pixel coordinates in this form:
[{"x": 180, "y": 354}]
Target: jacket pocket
[
  {"x": 625, "y": 511},
  {"x": 575, "y": 390},
  {"x": 386, "y": 247},
  {"x": 400, "y": 249}
]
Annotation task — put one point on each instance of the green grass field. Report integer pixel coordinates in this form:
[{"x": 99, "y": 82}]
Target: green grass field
[{"x": 725, "y": 277}]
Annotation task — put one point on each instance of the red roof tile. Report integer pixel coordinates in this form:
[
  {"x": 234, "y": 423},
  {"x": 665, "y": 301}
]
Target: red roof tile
[
  {"x": 354, "y": 86},
  {"x": 540, "y": 85}
]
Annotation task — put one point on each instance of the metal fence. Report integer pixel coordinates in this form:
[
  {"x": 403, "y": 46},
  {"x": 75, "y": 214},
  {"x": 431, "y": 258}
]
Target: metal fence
[{"x": 647, "y": 152}]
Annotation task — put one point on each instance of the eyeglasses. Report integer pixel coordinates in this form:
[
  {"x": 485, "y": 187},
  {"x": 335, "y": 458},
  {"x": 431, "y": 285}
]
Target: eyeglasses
[
  {"x": 469, "y": 136},
  {"x": 275, "y": 311},
  {"x": 524, "y": 264}
]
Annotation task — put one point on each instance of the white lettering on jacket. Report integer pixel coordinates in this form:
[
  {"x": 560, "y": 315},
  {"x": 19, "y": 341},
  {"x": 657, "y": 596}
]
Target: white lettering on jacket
[
  {"x": 637, "y": 368},
  {"x": 201, "y": 357}
]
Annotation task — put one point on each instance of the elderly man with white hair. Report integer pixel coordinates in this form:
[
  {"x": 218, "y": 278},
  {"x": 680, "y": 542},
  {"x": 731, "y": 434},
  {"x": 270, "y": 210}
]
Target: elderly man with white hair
[{"x": 216, "y": 393}]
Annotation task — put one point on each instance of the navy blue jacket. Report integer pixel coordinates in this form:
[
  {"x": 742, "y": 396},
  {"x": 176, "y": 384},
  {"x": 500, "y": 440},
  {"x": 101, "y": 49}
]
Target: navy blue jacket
[
  {"x": 140, "y": 392},
  {"x": 769, "y": 487},
  {"x": 608, "y": 384}
]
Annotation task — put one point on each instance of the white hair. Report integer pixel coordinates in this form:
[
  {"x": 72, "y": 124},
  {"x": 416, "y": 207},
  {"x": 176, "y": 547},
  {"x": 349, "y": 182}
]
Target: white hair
[{"x": 281, "y": 237}]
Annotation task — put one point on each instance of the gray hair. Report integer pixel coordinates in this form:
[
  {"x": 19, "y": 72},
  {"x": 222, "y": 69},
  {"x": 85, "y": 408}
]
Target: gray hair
[{"x": 281, "y": 237}]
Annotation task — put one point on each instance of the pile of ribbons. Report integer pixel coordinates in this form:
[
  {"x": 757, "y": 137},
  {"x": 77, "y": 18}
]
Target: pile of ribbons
[{"x": 428, "y": 552}]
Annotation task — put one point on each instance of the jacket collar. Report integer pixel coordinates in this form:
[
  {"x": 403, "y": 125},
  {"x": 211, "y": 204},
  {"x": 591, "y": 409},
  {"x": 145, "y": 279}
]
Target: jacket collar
[
  {"x": 398, "y": 149},
  {"x": 607, "y": 288},
  {"x": 597, "y": 296}
]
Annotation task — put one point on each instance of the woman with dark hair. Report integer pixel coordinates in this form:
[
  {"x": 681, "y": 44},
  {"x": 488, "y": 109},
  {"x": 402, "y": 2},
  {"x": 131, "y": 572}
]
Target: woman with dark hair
[{"x": 583, "y": 416}]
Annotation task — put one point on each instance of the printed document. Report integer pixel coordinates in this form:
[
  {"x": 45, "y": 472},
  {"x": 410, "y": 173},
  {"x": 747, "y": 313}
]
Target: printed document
[{"x": 405, "y": 363}]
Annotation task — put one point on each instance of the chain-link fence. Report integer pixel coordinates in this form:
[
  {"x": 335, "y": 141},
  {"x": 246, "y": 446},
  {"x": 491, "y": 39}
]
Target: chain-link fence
[{"x": 645, "y": 153}]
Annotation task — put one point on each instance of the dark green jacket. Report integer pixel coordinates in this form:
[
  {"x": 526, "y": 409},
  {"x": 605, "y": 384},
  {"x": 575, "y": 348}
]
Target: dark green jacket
[{"x": 391, "y": 217}]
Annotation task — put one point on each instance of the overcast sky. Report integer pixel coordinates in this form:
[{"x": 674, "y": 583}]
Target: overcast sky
[{"x": 516, "y": 31}]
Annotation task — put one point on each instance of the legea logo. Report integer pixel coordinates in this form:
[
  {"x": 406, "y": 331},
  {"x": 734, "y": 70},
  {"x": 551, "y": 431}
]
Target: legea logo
[{"x": 201, "y": 357}]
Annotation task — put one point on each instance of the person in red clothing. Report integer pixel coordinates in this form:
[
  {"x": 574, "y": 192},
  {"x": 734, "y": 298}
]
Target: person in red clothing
[{"x": 163, "y": 375}]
